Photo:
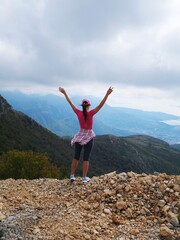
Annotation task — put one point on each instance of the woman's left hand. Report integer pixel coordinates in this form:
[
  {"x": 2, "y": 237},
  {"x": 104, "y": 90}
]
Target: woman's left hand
[{"x": 110, "y": 90}]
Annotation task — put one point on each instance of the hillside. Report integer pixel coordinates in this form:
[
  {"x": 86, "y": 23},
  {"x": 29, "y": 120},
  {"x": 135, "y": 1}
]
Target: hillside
[
  {"x": 138, "y": 153},
  {"x": 176, "y": 146},
  {"x": 110, "y": 207},
  {"x": 18, "y": 131},
  {"x": 134, "y": 153},
  {"x": 54, "y": 113}
]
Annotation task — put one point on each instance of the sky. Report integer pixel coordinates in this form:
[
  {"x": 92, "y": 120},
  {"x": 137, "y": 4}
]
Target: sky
[{"x": 86, "y": 46}]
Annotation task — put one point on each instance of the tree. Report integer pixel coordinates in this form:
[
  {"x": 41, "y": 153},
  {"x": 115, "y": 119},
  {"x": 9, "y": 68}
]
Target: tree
[{"x": 27, "y": 164}]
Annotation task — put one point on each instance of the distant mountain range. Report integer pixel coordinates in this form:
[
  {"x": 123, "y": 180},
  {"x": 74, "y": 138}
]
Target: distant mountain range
[
  {"x": 54, "y": 113},
  {"x": 138, "y": 153}
]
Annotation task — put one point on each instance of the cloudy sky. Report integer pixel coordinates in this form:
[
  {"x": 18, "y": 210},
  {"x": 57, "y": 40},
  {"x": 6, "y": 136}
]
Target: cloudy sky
[{"x": 88, "y": 45}]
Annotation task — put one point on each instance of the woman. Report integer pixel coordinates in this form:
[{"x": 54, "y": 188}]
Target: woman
[{"x": 85, "y": 137}]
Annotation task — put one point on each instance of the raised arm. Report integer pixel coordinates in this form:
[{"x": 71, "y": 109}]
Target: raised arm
[
  {"x": 109, "y": 91},
  {"x": 62, "y": 90}
]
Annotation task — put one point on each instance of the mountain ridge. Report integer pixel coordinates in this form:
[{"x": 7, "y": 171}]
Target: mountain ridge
[
  {"x": 54, "y": 113},
  {"x": 138, "y": 153}
]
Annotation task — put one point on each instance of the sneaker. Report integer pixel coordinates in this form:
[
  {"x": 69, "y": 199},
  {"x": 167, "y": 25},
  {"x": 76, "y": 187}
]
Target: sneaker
[
  {"x": 85, "y": 179},
  {"x": 72, "y": 178}
]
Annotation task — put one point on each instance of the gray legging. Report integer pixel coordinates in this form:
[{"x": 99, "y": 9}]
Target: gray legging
[{"x": 87, "y": 150}]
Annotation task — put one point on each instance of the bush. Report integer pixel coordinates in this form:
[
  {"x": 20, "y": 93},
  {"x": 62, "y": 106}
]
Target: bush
[{"x": 28, "y": 165}]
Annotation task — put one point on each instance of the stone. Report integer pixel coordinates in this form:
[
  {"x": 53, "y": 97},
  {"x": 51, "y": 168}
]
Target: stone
[
  {"x": 121, "y": 205},
  {"x": 165, "y": 209},
  {"x": 129, "y": 213},
  {"x": 161, "y": 203},
  {"x": 134, "y": 231},
  {"x": 1, "y": 205},
  {"x": 107, "y": 211},
  {"x": 36, "y": 230},
  {"x": 176, "y": 188},
  {"x": 2, "y": 216},
  {"x": 117, "y": 220},
  {"x": 173, "y": 219},
  {"x": 111, "y": 174},
  {"x": 178, "y": 236},
  {"x": 166, "y": 233},
  {"x": 108, "y": 192},
  {"x": 112, "y": 206},
  {"x": 130, "y": 174}
]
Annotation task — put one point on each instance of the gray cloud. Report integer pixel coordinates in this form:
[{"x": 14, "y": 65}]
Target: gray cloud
[{"x": 125, "y": 43}]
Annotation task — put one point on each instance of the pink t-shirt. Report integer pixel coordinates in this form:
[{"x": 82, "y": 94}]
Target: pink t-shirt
[{"x": 89, "y": 122}]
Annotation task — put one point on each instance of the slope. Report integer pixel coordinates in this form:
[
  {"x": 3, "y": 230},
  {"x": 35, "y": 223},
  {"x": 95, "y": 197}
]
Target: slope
[
  {"x": 134, "y": 153},
  {"x": 139, "y": 153},
  {"x": 18, "y": 131}
]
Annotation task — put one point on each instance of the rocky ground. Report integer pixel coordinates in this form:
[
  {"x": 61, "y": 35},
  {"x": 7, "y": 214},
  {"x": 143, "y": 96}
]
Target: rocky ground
[{"x": 113, "y": 206}]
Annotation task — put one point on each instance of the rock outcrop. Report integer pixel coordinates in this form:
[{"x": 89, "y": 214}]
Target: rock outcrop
[{"x": 113, "y": 206}]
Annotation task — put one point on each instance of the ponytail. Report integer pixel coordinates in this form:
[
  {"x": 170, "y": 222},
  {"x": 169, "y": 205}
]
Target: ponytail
[
  {"x": 85, "y": 112},
  {"x": 84, "y": 106}
]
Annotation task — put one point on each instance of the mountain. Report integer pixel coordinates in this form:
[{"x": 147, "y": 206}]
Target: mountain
[
  {"x": 176, "y": 146},
  {"x": 54, "y": 113},
  {"x": 138, "y": 153},
  {"x": 18, "y": 131}
]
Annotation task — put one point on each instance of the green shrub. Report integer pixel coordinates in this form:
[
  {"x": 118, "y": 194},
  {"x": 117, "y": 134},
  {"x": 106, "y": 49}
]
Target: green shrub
[{"x": 28, "y": 165}]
